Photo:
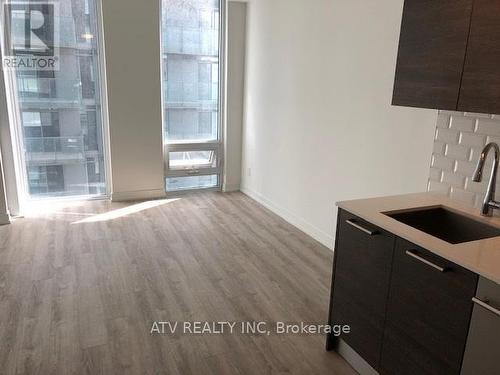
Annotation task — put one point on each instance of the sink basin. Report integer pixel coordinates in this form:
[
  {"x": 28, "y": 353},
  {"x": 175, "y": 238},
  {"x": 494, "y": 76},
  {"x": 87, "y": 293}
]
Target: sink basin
[{"x": 445, "y": 224}]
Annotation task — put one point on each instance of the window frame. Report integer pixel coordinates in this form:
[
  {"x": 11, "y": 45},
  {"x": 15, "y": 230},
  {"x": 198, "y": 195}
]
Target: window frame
[
  {"x": 17, "y": 175},
  {"x": 216, "y": 145}
]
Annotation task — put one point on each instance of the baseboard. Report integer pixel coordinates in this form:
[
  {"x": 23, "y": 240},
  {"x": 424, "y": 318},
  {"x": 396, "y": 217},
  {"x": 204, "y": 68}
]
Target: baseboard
[
  {"x": 306, "y": 227},
  {"x": 4, "y": 219},
  {"x": 122, "y": 196}
]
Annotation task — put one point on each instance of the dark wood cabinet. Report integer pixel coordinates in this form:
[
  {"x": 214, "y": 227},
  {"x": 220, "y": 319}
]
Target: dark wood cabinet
[
  {"x": 362, "y": 268},
  {"x": 428, "y": 313},
  {"x": 411, "y": 311},
  {"x": 480, "y": 90},
  {"x": 448, "y": 57},
  {"x": 482, "y": 353},
  {"x": 431, "y": 54}
]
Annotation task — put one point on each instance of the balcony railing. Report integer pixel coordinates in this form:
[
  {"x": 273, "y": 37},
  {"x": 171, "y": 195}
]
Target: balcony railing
[
  {"x": 191, "y": 41},
  {"x": 191, "y": 95},
  {"x": 41, "y": 91},
  {"x": 54, "y": 149}
]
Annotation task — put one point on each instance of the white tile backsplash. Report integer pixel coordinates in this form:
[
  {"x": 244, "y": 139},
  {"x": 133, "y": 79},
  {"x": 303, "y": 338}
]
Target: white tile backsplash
[
  {"x": 447, "y": 135},
  {"x": 442, "y": 162},
  {"x": 488, "y": 127},
  {"x": 458, "y": 142},
  {"x": 458, "y": 152},
  {"x": 462, "y": 123}
]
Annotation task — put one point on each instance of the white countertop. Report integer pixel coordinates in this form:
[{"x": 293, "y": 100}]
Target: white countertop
[{"x": 481, "y": 257}]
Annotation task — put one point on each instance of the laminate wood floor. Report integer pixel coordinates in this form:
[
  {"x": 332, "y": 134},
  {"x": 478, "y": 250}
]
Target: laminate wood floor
[{"x": 80, "y": 287}]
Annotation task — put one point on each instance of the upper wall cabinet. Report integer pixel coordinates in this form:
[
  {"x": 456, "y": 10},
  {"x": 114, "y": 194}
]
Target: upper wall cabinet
[
  {"x": 481, "y": 78},
  {"x": 431, "y": 53},
  {"x": 449, "y": 54}
]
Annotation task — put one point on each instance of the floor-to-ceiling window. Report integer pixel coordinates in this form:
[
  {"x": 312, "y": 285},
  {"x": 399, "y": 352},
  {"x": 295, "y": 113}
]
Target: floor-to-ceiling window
[
  {"x": 56, "y": 109},
  {"x": 191, "y": 34}
]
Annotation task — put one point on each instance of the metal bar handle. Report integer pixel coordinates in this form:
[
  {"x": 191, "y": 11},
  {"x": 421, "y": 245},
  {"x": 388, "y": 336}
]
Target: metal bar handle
[
  {"x": 486, "y": 305},
  {"x": 361, "y": 228},
  {"x": 425, "y": 261}
]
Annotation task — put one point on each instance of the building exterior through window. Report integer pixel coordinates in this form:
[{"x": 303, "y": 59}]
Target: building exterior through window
[
  {"x": 60, "y": 118},
  {"x": 191, "y": 84}
]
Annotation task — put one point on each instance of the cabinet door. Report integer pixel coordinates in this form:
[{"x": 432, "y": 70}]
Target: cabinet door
[
  {"x": 431, "y": 53},
  {"x": 480, "y": 91},
  {"x": 428, "y": 313},
  {"x": 482, "y": 354},
  {"x": 363, "y": 257}
]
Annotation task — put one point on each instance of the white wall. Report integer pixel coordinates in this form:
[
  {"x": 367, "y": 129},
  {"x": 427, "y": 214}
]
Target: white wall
[
  {"x": 235, "y": 66},
  {"x": 4, "y": 125},
  {"x": 132, "y": 44},
  {"x": 318, "y": 125},
  {"x": 4, "y": 212}
]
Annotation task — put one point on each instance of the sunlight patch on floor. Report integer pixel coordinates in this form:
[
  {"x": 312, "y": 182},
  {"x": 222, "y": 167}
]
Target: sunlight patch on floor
[
  {"x": 125, "y": 211},
  {"x": 42, "y": 208}
]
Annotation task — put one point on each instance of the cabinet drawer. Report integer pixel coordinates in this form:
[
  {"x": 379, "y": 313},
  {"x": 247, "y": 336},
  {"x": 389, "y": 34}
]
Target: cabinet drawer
[
  {"x": 363, "y": 257},
  {"x": 428, "y": 313},
  {"x": 482, "y": 353}
]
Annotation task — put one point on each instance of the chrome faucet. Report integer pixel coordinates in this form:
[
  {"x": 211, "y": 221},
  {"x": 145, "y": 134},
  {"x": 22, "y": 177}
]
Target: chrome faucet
[{"x": 489, "y": 200}]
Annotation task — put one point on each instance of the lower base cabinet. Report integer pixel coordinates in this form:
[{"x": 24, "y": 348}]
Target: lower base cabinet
[
  {"x": 363, "y": 259},
  {"x": 428, "y": 313},
  {"x": 482, "y": 354},
  {"x": 411, "y": 310}
]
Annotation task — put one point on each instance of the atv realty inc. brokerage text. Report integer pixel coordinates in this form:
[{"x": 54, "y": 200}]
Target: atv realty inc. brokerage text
[{"x": 248, "y": 327}]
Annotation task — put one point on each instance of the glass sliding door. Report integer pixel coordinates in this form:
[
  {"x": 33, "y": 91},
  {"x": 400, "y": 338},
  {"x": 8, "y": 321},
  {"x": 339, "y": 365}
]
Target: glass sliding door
[
  {"x": 57, "y": 109},
  {"x": 191, "y": 34}
]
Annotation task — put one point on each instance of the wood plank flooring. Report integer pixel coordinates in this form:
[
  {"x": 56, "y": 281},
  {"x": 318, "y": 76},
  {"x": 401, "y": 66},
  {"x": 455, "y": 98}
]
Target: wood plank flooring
[{"x": 81, "y": 286}]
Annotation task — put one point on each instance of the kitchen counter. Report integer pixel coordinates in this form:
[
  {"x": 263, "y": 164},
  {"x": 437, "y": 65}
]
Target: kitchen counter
[{"x": 481, "y": 257}]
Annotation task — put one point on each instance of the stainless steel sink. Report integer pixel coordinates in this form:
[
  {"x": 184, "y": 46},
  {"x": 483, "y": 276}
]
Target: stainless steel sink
[{"x": 446, "y": 225}]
